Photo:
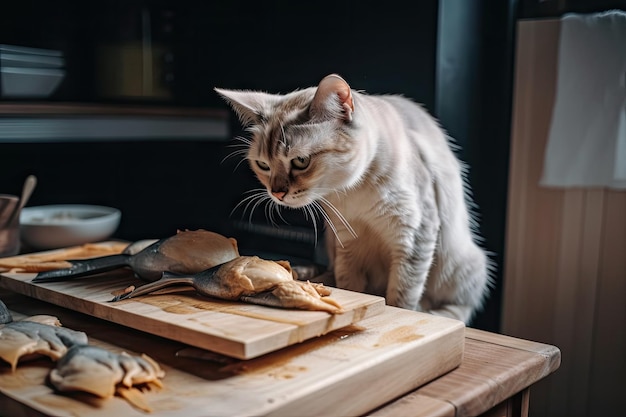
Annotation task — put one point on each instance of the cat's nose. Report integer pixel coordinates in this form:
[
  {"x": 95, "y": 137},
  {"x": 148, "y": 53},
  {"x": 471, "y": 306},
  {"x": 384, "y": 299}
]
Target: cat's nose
[{"x": 279, "y": 194}]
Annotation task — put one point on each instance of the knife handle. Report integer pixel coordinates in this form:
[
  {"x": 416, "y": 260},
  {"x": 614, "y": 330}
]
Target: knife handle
[{"x": 84, "y": 267}]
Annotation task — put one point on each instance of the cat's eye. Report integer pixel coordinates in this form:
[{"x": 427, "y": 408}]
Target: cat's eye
[
  {"x": 263, "y": 165},
  {"x": 301, "y": 162}
]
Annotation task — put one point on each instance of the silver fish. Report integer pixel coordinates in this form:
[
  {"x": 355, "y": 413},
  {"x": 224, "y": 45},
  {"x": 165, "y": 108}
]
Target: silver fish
[
  {"x": 100, "y": 372},
  {"x": 249, "y": 279},
  {"x": 187, "y": 252},
  {"x": 5, "y": 314},
  {"x": 25, "y": 337}
]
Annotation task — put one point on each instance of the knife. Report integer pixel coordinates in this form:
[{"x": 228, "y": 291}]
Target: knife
[{"x": 84, "y": 267}]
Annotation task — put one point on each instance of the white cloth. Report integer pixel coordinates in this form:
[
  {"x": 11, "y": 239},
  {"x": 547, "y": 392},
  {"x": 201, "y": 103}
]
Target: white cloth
[{"x": 587, "y": 141}]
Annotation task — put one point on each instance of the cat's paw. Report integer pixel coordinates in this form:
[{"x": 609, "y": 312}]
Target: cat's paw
[{"x": 327, "y": 278}]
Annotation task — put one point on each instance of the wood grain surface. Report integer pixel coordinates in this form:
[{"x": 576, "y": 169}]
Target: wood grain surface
[
  {"x": 235, "y": 329},
  {"x": 564, "y": 276},
  {"x": 495, "y": 367},
  {"x": 345, "y": 372}
]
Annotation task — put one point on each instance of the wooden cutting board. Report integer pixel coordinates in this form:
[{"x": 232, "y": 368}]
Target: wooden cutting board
[
  {"x": 235, "y": 329},
  {"x": 349, "y": 371}
]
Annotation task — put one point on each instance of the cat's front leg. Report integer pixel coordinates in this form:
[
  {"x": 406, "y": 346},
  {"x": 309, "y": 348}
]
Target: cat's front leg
[
  {"x": 349, "y": 272},
  {"x": 407, "y": 278},
  {"x": 346, "y": 269},
  {"x": 411, "y": 260}
]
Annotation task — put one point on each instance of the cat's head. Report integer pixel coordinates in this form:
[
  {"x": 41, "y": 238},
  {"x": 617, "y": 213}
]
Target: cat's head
[{"x": 302, "y": 145}]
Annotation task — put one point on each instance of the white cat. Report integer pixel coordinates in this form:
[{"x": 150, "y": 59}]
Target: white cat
[{"x": 381, "y": 172}]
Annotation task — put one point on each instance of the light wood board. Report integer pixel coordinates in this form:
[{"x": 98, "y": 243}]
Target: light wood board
[
  {"x": 349, "y": 371},
  {"x": 235, "y": 329}
]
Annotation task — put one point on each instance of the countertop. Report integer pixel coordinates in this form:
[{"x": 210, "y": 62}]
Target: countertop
[{"x": 493, "y": 379}]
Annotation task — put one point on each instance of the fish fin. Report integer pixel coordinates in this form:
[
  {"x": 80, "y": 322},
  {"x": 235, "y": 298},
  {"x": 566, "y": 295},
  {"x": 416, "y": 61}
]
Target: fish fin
[{"x": 266, "y": 298}]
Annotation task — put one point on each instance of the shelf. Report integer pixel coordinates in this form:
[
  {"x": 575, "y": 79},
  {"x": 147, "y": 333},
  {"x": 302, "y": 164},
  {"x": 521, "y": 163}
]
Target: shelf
[
  {"x": 72, "y": 122},
  {"x": 19, "y": 108}
]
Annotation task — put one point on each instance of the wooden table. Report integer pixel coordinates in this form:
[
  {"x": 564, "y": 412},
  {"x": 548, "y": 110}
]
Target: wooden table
[{"x": 494, "y": 379}]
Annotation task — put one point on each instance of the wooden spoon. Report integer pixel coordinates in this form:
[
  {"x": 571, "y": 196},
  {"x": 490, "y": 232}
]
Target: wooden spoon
[{"x": 29, "y": 186}]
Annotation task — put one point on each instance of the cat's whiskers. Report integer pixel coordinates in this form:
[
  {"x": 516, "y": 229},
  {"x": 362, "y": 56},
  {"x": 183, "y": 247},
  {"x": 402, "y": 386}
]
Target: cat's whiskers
[
  {"x": 329, "y": 221},
  {"x": 343, "y": 192},
  {"x": 278, "y": 207},
  {"x": 242, "y": 150},
  {"x": 270, "y": 208},
  {"x": 337, "y": 213},
  {"x": 308, "y": 211},
  {"x": 256, "y": 198},
  {"x": 259, "y": 197}
]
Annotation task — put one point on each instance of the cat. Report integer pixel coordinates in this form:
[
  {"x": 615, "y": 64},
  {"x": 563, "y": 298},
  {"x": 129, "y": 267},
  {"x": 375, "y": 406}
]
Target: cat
[{"x": 384, "y": 176}]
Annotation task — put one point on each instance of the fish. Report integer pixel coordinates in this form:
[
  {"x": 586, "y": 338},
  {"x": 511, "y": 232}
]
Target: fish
[
  {"x": 41, "y": 336},
  {"x": 5, "y": 314},
  {"x": 186, "y": 252},
  {"x": 248, "y": 279},
  {"x": 103, "y": 373}
]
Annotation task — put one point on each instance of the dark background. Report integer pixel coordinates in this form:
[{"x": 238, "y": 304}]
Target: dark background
[{"x": 454, "y": 57}]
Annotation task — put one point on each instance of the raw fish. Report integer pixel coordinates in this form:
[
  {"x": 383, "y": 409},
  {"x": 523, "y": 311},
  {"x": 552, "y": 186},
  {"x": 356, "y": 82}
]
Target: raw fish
[
  {"x": 5, "y": 314},
  {"x": 187, "y": 252},
  {"x": 103, "y": 373},
  {"x": 45, "y": 336},
  {"x": 249, "y": 279}
]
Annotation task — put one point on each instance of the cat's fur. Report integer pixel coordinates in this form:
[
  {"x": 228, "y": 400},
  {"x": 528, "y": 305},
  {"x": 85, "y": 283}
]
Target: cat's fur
[{"x": 391, "y": 189}]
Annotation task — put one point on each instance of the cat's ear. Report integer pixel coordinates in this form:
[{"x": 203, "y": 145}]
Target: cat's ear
[
  {"x": 247, "y": 104},
  {"x": 333, "y": 99}
]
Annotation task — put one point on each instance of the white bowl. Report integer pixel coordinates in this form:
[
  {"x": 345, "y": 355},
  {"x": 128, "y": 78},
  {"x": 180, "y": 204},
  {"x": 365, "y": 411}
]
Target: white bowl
[
  {"x": 30, "y": 82},
  {"x": 59, "y": 226},
  {"x": 31, "y": 61},
  {"x": 27, "y": 50}
]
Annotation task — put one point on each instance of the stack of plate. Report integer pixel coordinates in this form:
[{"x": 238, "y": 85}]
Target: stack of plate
[{"x": 30, "y": 72}]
